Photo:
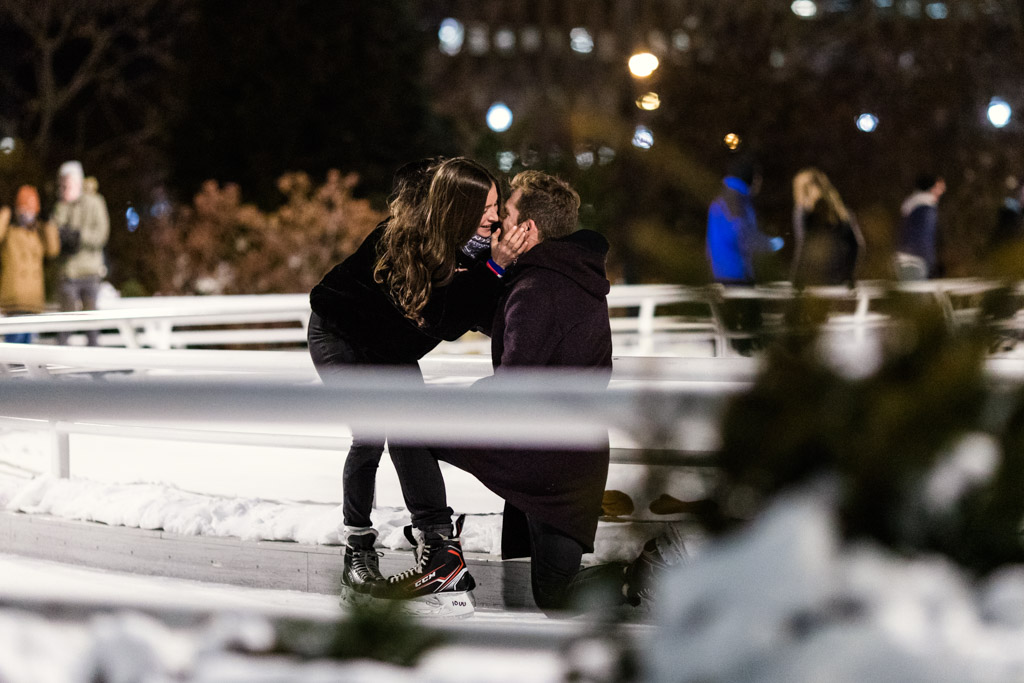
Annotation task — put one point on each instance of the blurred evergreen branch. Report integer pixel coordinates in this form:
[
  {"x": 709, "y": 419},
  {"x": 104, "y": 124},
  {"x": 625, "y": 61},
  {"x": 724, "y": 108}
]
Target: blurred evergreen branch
[
  {"x": 884, "y": 439},
  {"x": 378, "y": 632}
]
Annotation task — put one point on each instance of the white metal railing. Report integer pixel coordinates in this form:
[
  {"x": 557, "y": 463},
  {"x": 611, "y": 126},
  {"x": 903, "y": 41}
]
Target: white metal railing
[
  {"x": 637, "y": 326},
  {"x": 44, "y": 360},
  {"x": 175, "y": 322}
]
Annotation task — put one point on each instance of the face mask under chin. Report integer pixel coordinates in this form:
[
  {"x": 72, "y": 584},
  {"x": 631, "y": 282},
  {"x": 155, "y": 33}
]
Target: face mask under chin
[{"x": 476, "y": 245}]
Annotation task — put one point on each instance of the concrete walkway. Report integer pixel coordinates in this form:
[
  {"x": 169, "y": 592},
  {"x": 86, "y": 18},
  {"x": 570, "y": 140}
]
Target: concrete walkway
[{"x": 501, "y": 584}]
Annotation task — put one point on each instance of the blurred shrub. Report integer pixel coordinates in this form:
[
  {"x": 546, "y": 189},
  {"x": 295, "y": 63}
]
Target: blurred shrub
[
  {"x": 925, "y": 454},
  {"x": 220, "y": 245}
]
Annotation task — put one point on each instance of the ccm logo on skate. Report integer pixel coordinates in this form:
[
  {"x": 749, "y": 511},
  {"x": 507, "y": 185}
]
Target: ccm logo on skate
[
  {"x": 459, "y": 603},
  {"x": 426, "y": 578}
]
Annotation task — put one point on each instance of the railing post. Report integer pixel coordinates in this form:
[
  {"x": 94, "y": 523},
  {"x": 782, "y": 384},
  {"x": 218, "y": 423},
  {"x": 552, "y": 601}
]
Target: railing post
[
  {"x": 645, "y": 325},
  {"x": 60, "y": 462}
]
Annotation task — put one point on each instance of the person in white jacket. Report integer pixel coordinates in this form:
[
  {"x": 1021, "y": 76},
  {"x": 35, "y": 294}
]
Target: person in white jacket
[{"x": 84, "y": 228}]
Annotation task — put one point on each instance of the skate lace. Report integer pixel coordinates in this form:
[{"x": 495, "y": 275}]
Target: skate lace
[
  {"x": 424, "y": 558},
  {"x": 363, "y": 560}
]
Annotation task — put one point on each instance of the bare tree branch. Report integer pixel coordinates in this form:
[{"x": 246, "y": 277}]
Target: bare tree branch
[{"x": 103, "y": 48}]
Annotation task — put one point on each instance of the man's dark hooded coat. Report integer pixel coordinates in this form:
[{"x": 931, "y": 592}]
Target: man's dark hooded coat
[{"x": 553, "y": 314}]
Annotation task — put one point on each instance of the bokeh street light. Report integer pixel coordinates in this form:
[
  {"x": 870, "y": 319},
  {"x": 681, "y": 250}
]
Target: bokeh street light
[
  {"x": 499, "y": 117},
  {"x": 649, "y": 101},
  {"x": 642, "y": 64},
  {"x": 999, "y": 112},
  {"x": 867, "y": 122},
  {"x": 806, "y": 9},
  {"x": 643, "y": 138},
  {"x": 450, "y": 36}
]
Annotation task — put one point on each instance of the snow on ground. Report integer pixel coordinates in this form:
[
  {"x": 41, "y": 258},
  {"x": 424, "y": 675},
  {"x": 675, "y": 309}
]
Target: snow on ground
[{"x": 255, "y": 493}]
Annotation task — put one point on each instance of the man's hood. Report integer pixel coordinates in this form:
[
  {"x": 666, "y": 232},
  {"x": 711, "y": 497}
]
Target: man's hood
[{"x": 579, "y": 256}]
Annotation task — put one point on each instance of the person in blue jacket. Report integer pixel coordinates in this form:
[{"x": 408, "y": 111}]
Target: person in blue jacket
[{"x": 733, "y": 238}]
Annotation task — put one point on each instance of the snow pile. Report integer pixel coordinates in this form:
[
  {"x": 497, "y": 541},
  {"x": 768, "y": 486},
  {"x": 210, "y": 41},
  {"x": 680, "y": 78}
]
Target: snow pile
[
  {"x": 784, "y": 601},
  {"x": 159, "y": 506}
]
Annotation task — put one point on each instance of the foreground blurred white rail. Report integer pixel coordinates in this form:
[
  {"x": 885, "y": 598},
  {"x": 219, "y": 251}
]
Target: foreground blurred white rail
[{"x": 541, "y": 410}]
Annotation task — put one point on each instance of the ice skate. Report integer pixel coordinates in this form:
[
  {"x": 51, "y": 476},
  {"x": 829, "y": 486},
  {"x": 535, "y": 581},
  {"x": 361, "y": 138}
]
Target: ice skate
[
  {"x": 361, "y": 570},
  {"x": 660, "y": 553},
  {"x": 439, "y": 584}
]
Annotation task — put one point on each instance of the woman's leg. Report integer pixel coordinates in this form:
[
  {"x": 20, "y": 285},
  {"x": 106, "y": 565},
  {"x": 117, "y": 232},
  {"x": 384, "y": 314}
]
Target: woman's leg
[
  {"x": 422, "y": 487},
  {"x": 331, "y": 355}
]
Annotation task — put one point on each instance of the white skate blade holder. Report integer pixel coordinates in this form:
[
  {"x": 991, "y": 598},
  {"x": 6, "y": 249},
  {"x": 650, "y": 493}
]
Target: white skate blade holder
[
  {"x": 445, "y": 605},
  {"x": 349, "y": 597}
]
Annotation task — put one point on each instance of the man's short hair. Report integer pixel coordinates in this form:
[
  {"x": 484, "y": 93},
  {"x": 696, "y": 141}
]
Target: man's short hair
[{"x": 548, "y": 201}]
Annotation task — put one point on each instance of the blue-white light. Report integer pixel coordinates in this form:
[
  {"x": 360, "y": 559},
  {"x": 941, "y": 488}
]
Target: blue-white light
[
  {"x": 804, "y": 8},
  {"x": 499, "y": 117},
  {"x": 7, "y": 145},
  {"x": 131, "y": 217},
  {"x": 450, "y": 35},
  {"x": 867, "y": 122},
  {"x": 936, "y": 10},
  {"x": 999, "y": 112},
  {"x": 581, "y": 41},
  {"x": 643, "y": 137}
]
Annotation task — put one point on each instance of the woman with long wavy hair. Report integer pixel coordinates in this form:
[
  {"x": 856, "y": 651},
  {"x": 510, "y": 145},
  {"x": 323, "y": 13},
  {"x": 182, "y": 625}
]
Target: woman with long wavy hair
[
  {"x": 827, "y": 239},
  {"x": 404, "y": 290},
  {"x": 415, "y": 256}
]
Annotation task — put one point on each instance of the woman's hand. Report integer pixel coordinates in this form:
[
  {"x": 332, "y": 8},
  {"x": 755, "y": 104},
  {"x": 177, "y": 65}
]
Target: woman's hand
[{"x": 506, "y": 248}]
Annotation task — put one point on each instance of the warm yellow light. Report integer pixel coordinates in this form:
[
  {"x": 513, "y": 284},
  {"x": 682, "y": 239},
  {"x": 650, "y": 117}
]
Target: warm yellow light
[
  {"x": 732, "y": 141},
  {"x": 642, "y": 64},
  {"x": 649, "y": 101}
]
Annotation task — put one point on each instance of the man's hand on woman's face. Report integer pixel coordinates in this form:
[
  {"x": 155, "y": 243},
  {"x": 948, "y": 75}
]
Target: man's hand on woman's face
[{"x": 508, "y": 244}]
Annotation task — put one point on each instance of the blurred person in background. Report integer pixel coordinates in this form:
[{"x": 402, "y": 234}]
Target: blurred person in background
[
  {"x": 917, "y": 242},
  {"x": 1009, "y": 229},
  {"x": 25, "y": 242},
  {"x": 734, "y": 241},
  {"x": 412, "y": 283},
  {"x": 735, "y": 248},
  {"x": 84, "y": 228},
  {"x": 826, "y": 238}
]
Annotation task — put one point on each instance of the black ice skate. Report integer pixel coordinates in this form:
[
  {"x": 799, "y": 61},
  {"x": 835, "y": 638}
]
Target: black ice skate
[
  {"x": 438, "y": 585},
  {"x": 658, "y": 555},
  {"x": 362, "y": 569}
]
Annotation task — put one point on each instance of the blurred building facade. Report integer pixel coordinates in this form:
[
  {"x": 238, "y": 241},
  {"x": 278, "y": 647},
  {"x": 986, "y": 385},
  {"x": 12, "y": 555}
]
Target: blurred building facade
[{"x": 865, "y": 89}]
